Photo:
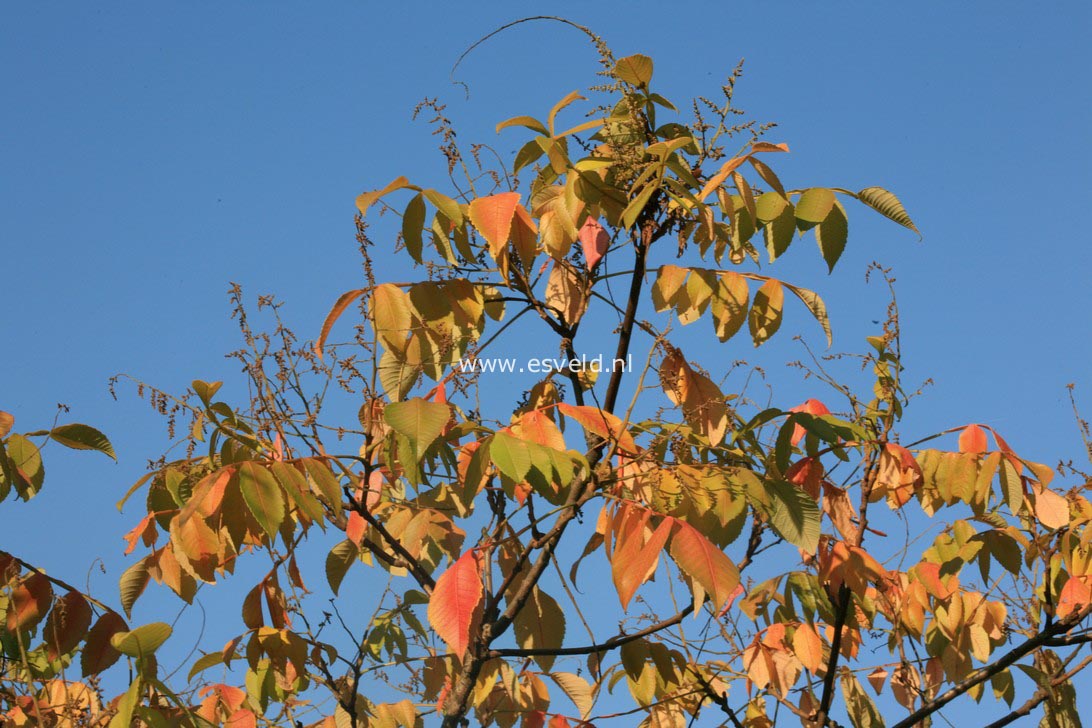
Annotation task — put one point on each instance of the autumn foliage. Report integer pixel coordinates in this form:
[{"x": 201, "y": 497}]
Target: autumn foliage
[{"x": 617, "y": 547}]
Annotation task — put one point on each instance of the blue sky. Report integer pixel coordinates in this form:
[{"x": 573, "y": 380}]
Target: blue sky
[{"x": 153, "y": 153}]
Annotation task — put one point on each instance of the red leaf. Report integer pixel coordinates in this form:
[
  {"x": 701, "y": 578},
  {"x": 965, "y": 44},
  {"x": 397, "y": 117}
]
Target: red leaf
[
  {"x": 98, "y": 654},
  {"x": 929, "y": 575},
  {"x": 492, "y": 216},
  {"x": 67, "y": 624},
  {"x": 594, "y": 240},
  {"x": 456, "y": 602},
  {"x": 811, "y": 407},
  {"x": 973, "y": 440}
]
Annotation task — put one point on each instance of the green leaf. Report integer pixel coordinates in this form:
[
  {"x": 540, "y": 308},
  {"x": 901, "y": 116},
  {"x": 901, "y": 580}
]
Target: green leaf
[
  {"x": 863, "y": 713},
  {"x": 82, "y": 437},
  {"x": 779, "y": 232},
  {"x": 338, "y": 561},
  {"x": 832, "y": 234},
  {"x": 123, "y": 718},
  {"x": 1011, "y": 486},
  {"x": 635, "y": 70},
  {"x": 143, "y": 640},
  {"x": 420, "y": 421},
  {"x": 529, "y": 122},
  {"x": 413, "y": 222},
  {"x": 132, "y": 583},
  {"x": 263, "y": 496},
  {"x": 814, "y": 206},
  {"x": 765, "y": 317},
  {"x": 449, "y": 207},
  {"x": 818, "y": 309},
  {"x": 636, "y": 206},
  {"x": 887, "y": 205},
  {"x": 366, "y": 200},
  {"x": 510, "y": 455},
  {"x": 729, "y": 305},
  {"x": 205, "y": 662},
  {"x": 794, "y": 515},
  {"x": 325, "y": 484}
]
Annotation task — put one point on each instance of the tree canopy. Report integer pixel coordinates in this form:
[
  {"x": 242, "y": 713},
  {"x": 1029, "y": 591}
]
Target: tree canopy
[{"x": 443, "y": 557}]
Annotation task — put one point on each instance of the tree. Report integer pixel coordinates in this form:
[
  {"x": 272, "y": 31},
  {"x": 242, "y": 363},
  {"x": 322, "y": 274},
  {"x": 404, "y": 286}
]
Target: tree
[{"x": 455, "y": 527}]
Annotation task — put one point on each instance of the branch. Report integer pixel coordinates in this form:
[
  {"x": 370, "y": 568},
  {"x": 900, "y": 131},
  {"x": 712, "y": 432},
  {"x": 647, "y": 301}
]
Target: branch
[
  {"x": 612, "y": 643},
  {"x": 1039, "y": 696},
  {"x": 985, "y": 673}
]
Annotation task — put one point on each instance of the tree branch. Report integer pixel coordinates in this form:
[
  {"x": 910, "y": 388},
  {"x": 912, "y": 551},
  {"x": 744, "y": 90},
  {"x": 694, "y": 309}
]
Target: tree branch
[{"x": 985, "y": 673}]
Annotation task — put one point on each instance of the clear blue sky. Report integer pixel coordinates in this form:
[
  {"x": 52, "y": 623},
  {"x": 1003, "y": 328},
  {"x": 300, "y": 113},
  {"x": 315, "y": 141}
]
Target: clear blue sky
[{"x": 151, "y": 153}]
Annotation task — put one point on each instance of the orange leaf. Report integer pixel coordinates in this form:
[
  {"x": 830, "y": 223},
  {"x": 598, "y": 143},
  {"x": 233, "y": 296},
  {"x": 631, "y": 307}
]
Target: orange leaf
[
  {"x": 594, "y": 240},
  {"x": 973, "y": 440},
  {"x": 355, "y": 528},
  {"x": 1075, "y": 595},
  {"x": 492, "y": 216},
  {"x": 631, "y": 564},
  {"x": 704, "y": 562},
  {"x": 601, "y": 423},
  {"x": 808, "y": 647},
  {"x": 877, "y": 678},
  {"x": 929, "y": 576},
  {"x": 768, "y": 147},
  {"x": 524, "y": 236},
  {"x": 1051, "y": 509},
  {"x": 456, "y": 602},
  {"x": 339, "y": 307},
  {"x": 29, "y": 602}
]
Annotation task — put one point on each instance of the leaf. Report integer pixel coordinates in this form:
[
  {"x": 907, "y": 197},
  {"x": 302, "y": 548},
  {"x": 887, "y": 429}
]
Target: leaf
[
  {"x": 704, "y": 562},
  {"x": 630, "y": 573},
  {"x": 636, "y": 206},
  {"x": 529, "y": 122},
  {"x": 28, "y": 602},
  {"x": 7, "y": 421},
  {"x": 566, "y": 293},
  {"x": 67, "y": 624},
  {"x": 456, "y": 601},
  {"x": 132, "y": 583},
  {"x": 421, "y": 421},
  {"x": 779, "y": 233},
  {"x": 635, "y": 70},
  {"x": 82, "y": 437},
  {"x": 341, "y": 557},
  {"x": 701, "y": 400},
  {"x": 768, "y": 147},
  {"x": 669, "y": 282},
  {"x": 817, "y": 308},
  {"x": 123, "y": 718},
  {"x": 143, "y": 640},
  {"x": 863, "y": 713},
  {"x": 594, "y": 241},
  {"x": 887, "y": 205},
  {"x": 263, "y": 496},
  {"x": 98, "y": 654},
  {"x": 568, "y": 99},
  {"x": 808, "y": 647},
  {"x": 577, "y": 689},
  {"x": 366, "y": 200},
  {"x": 973, "y": 440},
  {"x": 795, "y": 516},
  {"x": 765, "y": 317},
  {"x": 729, "y": 305},
  {"x": 492, "y": 216},
  {"x": 832, "y": 234},
  {"x": 510, "y": 455},
  {"x": 540, "y": 625},
  {"x": 1051, "y": 509},
  {"x": 814, "y": 205},
  {"x": 339, "y": 307},
  {"x": 413, "y": 222},
  {"x": 601, "y": 423},
  {"x": 447, "y": 206}
]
